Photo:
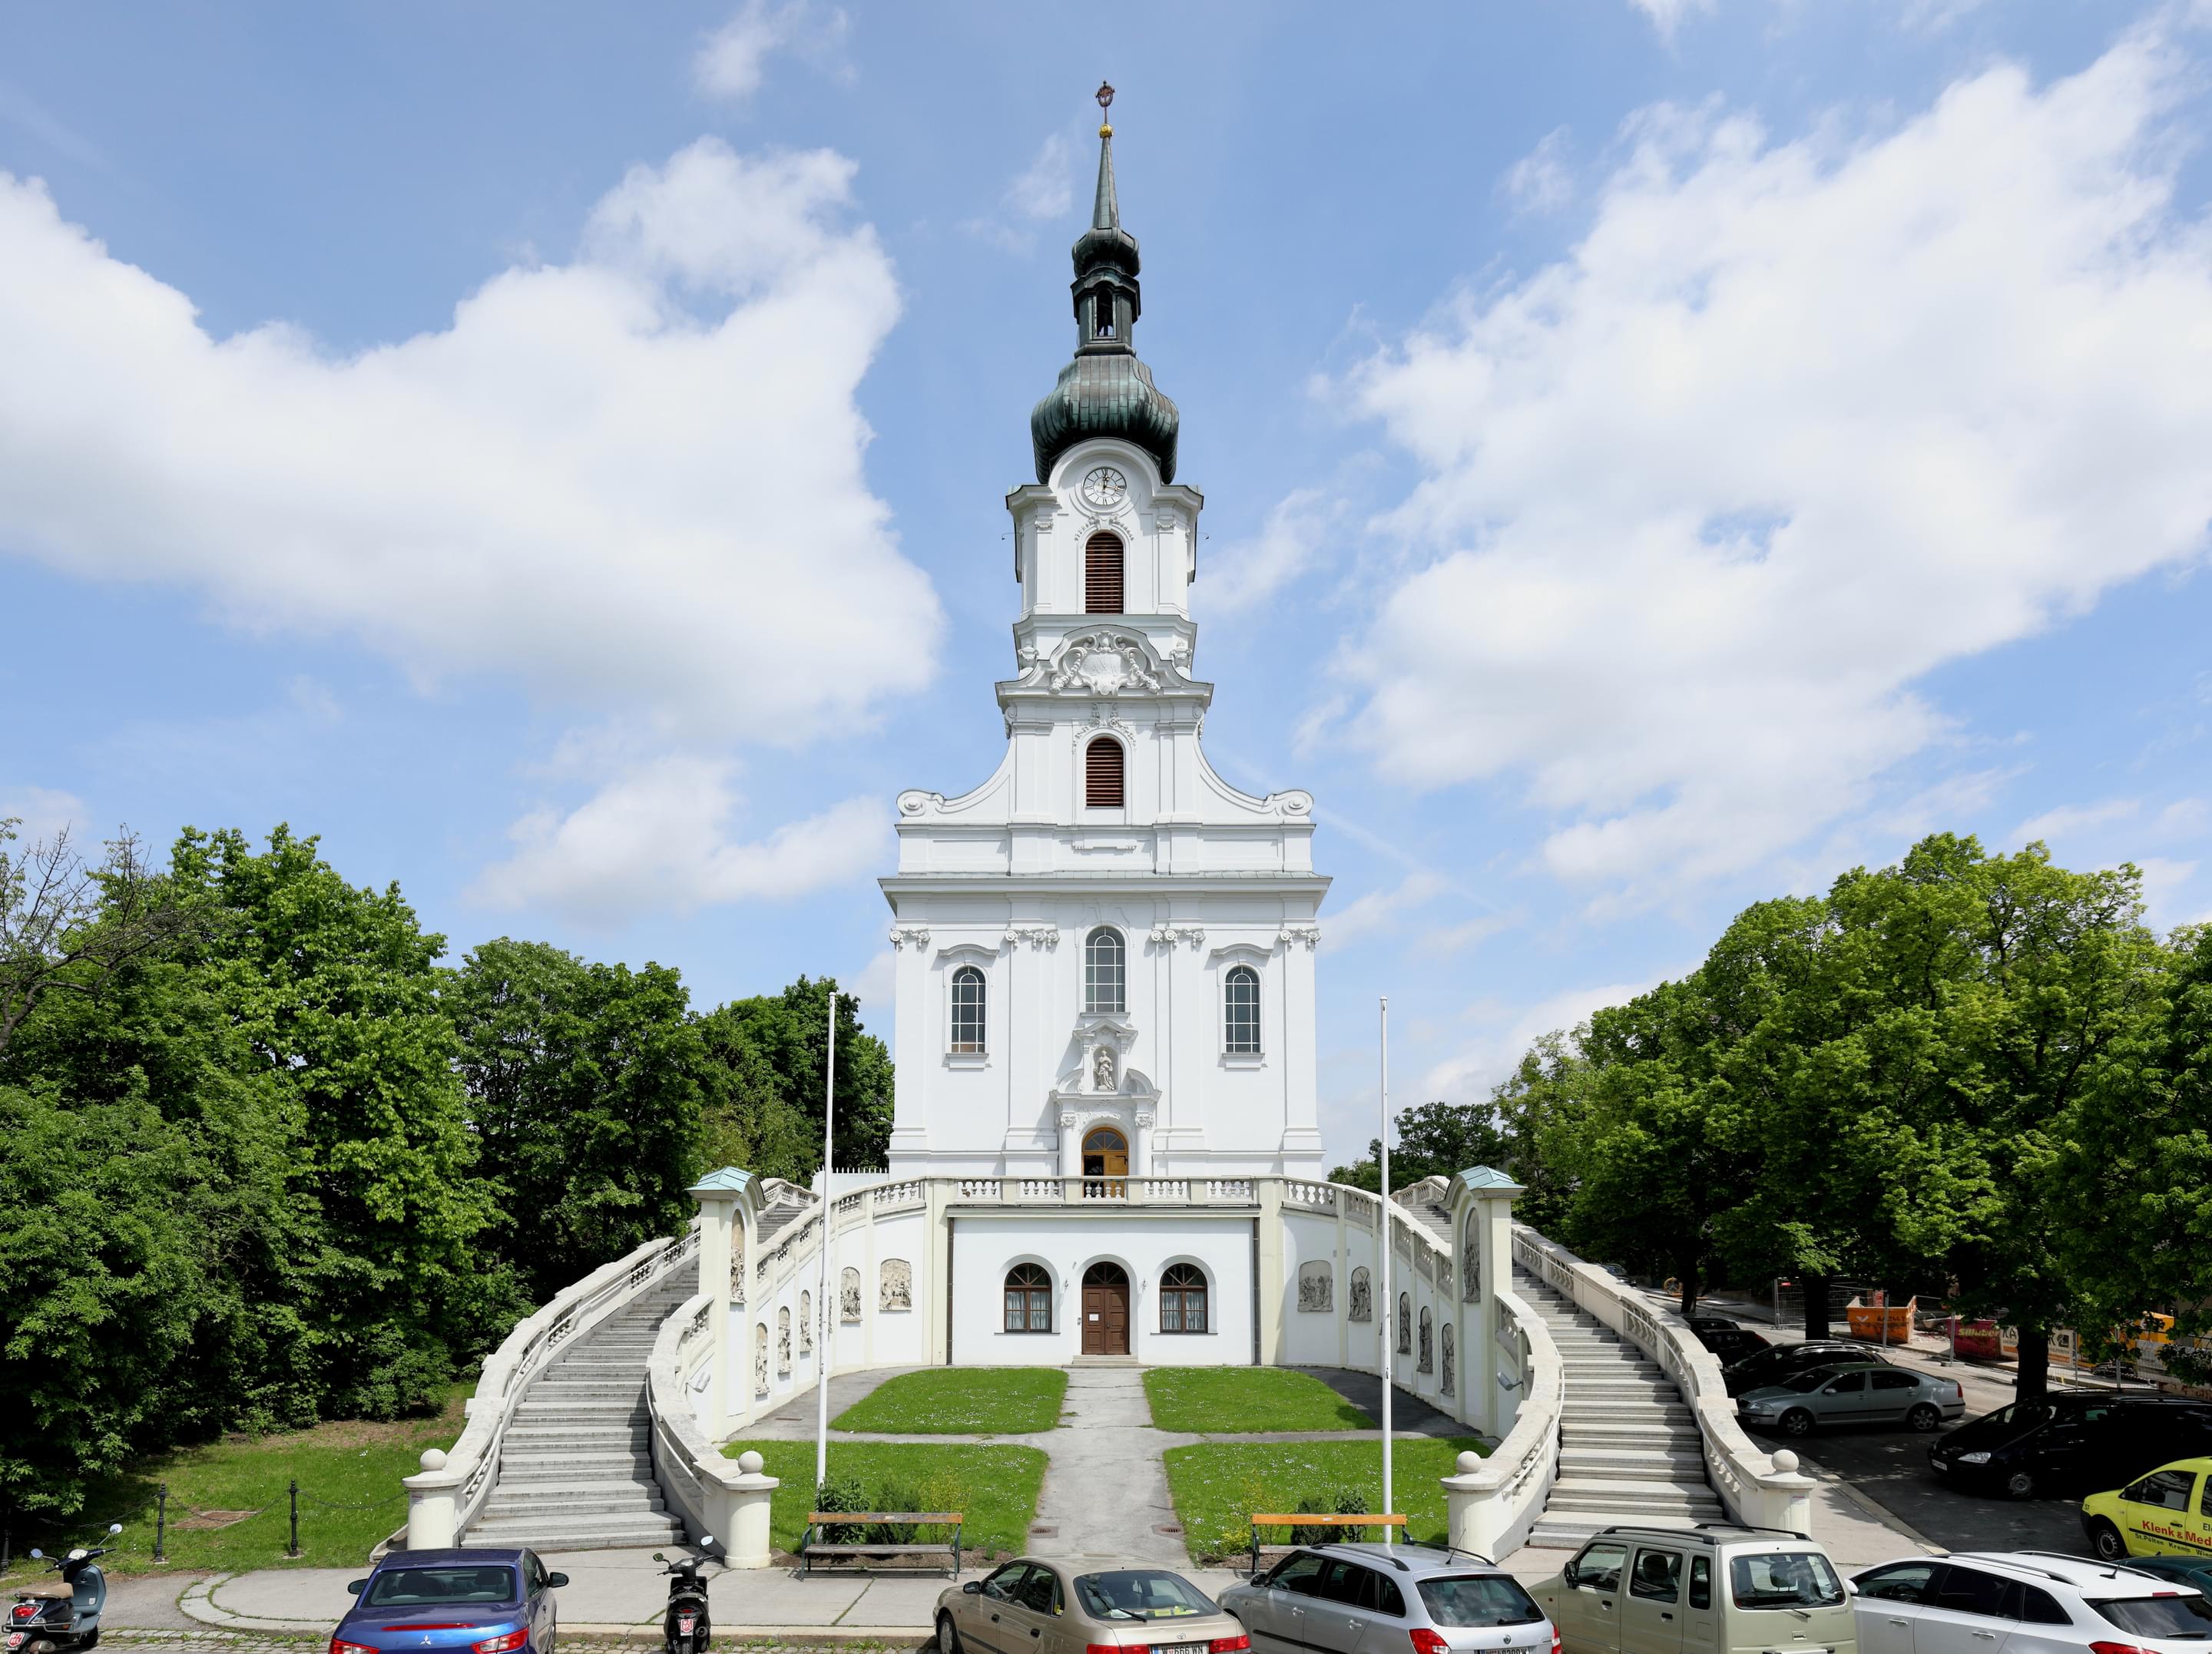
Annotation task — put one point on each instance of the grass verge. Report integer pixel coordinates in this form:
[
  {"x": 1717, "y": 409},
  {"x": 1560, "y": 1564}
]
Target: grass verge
[
  {"x": 1004, "y": 1401},
  {"x": 1233, "y": 1399},
  {"x": 1218, "y": 1486},
  {"x": 229, "y": 1507},
  {"x": 995, "y": 1488}
]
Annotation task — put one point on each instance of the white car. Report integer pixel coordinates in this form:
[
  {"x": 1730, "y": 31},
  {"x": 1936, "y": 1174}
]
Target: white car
[{"x": 2025, "y": 1603}]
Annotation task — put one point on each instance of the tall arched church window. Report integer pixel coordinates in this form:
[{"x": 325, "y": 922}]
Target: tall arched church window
[
  {"x": 968, "y": 1009},
  {"x": 1102, "y": 763},
  {"x": 1240, "y": 1009},
  {"x": 1103, "y": 975},
  {"x": 1102, "y": 574},
  {"x": 1182, "y": 1298},
  {"x": 1029, "y": 1298}
]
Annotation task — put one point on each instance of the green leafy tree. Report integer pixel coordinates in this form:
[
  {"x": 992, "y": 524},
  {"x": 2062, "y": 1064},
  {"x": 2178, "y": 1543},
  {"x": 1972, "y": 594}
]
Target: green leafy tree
[
  {"x": 765, "y": 1091},
  {"x": 584, "y": 1082},
  {"x": 1434, "y": 1140}
]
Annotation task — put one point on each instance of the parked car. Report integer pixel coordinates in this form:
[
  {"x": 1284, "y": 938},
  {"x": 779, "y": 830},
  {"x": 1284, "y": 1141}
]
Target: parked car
[
  {"x": 1863, "y": 1393},
  {"x": 1730, "y": 1344},
  {"x": 2196, "y": 1571},
  {"x": 466, "y": 1600},
  {"x": 1776, "y": 1362},
  {"x": 2067, "y": 1445},
  {"x": 1363, "y": 1598},
  {"x": 1031, "y": 1604},
  {"x": 2163, "y": 1513},
  {"x": 2029, "y": 1602},
  {"x": 1707, "y": 1590}
]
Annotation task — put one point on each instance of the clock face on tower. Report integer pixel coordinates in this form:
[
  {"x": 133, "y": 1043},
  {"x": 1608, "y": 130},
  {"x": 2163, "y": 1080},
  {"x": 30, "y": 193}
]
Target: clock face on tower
[{"x": 1104, "y": 486}]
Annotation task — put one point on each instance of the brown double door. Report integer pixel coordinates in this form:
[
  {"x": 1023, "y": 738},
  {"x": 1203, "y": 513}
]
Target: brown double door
[{"x": 1105, "y": 1309}]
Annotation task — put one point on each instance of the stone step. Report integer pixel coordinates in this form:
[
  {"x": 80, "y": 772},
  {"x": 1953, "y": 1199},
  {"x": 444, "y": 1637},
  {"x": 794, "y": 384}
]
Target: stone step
[
  {"x": 1634, "y": 1463},
  {"x": 577, "y": 1438},
  {"x": 1604, "y": 1494},
  {"x": 548, "y": 1533},
  {"x": 1662, "y": 1438},
  {"x": 577, "y": 1468},
  {"x": 596, "y": 1500},
  {"x": 1570, "y": 1528}
]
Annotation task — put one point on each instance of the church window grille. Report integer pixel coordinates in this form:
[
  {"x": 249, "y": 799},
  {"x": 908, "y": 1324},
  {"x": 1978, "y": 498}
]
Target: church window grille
[
  {"x": 1241, "y": 1010},
  {"x": 1029, "y": 1298},
  {"x": 968, "y": 1009},
  {"x": 1102, "y": 575},
  {"x": 1182, "y": 1298},
  {"x": 1102, "y": 973},
  {"x": 1102, "y": 774}
]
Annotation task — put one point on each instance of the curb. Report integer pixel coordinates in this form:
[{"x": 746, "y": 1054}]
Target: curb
[
  {"x": 198, "y": 1601},
  {"x": 1873, "y": 1508}
]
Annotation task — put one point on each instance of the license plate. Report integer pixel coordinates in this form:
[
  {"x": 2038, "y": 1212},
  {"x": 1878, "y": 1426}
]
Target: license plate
[
  {"x": 1179, "y": 1648},
  {"x": 685, "y": 1622}
]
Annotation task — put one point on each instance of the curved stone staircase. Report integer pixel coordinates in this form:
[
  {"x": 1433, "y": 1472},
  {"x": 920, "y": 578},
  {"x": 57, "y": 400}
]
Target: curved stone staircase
[
  {"x": 575, "y": 1470},
  {"x": 1629, "y": 1450}
]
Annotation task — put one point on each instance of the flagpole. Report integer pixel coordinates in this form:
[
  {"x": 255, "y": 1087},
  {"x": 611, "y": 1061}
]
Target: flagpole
[
  {"x": 1387, "y": 1319},
  {"x": 825, "y": 1324}
]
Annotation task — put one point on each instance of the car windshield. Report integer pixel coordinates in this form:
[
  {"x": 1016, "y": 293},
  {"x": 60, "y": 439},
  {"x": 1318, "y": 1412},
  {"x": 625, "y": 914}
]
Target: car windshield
[
  {"x": 2182, "y": 1618},
  {"x": 435, "y": 1587},
  {"x": 1140, "y": 1594},
  {"x": 1783, "y": 1579},
  {"x": 1809, "y": 1380},
  {"x": 2015, "y": 1420},
  {"x": 1477, "y": 1599}
]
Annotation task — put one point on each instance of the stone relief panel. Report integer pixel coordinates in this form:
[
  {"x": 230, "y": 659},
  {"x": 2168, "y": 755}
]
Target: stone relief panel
[
  {"x": 1314, "y": 1284},
  {"x": 805, "y": 1323},
  {"x": 1360, "y": 1300},
  {"x": 849, "y": 1296},
  {"x": 760, "y": 1357},
  {"x": 1405, "y": 1324},
  {"x": 783, "y": 1340},
  {"x": 897, "y": 1277},
  {"x": 1470, "y": 1258},
  {"x": 1451, "y": 1367},
  {"x": 1425, "y": 1361},
  {"x": 738, "y": 1267}
]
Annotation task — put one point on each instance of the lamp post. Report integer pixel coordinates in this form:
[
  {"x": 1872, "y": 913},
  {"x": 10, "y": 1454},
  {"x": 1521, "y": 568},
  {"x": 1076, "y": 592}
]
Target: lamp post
[
  {"x": 1388, "y": 1320},
  {"x": 824, "y": 1326}
]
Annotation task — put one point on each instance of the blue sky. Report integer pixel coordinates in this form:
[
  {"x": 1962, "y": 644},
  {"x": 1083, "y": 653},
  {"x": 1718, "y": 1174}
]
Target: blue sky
[{"x": 1658, "y": 454}]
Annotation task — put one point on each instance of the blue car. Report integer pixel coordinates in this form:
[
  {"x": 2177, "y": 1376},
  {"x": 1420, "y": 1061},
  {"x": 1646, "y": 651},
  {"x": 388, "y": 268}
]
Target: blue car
[{"x": 460, "y": 1602}]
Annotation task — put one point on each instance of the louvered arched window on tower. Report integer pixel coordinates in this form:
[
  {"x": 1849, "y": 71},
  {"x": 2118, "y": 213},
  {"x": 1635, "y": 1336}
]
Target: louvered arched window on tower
[
  {"x": 1102, "y": 575},
  {"x": 1102, "y": 774}
]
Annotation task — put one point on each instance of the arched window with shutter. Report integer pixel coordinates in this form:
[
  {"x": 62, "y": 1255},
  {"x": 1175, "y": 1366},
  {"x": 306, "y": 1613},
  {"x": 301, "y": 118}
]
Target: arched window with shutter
[
  {"x": 968, "y": 1010},
  {"x": 1103, "y": 761},
  {"x": 1102, "y": 575},
  {"x": 1240, "y": 1011},
  {"x": 1102, "y": 971}
]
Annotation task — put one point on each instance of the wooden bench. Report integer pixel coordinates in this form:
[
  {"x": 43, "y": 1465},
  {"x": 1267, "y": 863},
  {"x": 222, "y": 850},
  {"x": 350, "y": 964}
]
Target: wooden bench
[
  {"x": 1315, "y": 1519},
  {"x": 809, "y": 1549}
]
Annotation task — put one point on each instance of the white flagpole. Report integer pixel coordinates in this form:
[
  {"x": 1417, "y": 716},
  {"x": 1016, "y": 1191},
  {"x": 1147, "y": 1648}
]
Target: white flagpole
[
  {"x": 1387, "y": 1319},
  {"x": 825, "y": 1324}
]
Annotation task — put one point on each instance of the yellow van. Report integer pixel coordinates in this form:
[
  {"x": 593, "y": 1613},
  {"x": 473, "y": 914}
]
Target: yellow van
[{"x": 2166, "y": 1513}]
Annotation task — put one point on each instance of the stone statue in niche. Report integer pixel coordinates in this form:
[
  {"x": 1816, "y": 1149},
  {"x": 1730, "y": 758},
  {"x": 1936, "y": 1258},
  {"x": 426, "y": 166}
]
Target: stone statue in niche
[
  {"x": 805, "y": 1323},
  {"x": 1470, "y": 1259},
  {"x": 849, "y": 1296},
  {"x": 783, "y": 1340},
  {"x": 1360, "y": 1301},
  {"x": 1405, "y": 1324},
  {"x": 897, "y": 1287},
  {"x": 1313, "y": 1287},
  {"x": 1451, "y": 1367},
  {"x": 1426, "y": 1360},
  {"x": 760, "y": 1359},
  {"x": 1102, "y": 1069}
]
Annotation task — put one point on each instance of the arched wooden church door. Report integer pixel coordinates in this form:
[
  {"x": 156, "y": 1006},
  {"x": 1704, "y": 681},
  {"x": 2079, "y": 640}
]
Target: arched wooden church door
[
  {"x": 1105, "y": 1309},
  {"x": 1105, "y": 1163}
]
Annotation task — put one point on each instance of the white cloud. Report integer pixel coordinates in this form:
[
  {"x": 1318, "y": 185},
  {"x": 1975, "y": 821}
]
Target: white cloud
[
  {"x": 877, "y": 989},
  {"x": 1541, "y": 181},
  {"x": 633, "y": 483},
  {"x": 1667, "y": 14},
  {"x": 1379, "y": 909},
  {"x": 1046, "y": 188},
  {"x": 1247, "y": 572},
  {"x": 1469, "y": 1073},
  {"x": 731, "y": 62},
  {"x": 659, "y": 837},
  {"x": 2165, "y": 883},
  {"x": 1794, "y": 425},
  {"x": 43, "y": 813},
  {"x": 2070, "y": 819}
]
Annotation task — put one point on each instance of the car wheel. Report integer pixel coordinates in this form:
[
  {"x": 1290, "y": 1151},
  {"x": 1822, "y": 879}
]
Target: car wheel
[
  {"x": 2020, "y": 1484},
  {"x": 1924, "y": 1418},
  {"x": 1797, "y": 1422},
  {"x": 948, "y": 1635},
  {"x": 2105, "y": 1540}
]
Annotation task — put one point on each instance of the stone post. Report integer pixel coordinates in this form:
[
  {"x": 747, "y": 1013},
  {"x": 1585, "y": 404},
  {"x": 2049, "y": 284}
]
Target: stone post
[
  {"x": 432, "y": 1505},
  {"x": 1784, "y": 1499},
  {"x": 1473, "y": 1507},
  {"x": 745, "y": 1516},
  {"x": 719, "y": 1195}
]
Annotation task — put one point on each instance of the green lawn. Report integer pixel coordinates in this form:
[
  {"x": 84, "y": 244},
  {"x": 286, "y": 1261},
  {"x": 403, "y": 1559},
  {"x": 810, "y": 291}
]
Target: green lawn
[
  {"x": 1003, "y": 1401},
  {"x": 1247, "y": 1398},
  {"x": 995, "y": 1489},
  {"x": 1218, "y": 1486},
  {"x": 346, "y": 1464}
]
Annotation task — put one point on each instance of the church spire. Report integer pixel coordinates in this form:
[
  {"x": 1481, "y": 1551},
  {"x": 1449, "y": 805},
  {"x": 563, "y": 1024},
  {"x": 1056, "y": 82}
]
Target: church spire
[{"x": 1106, "y": 390}]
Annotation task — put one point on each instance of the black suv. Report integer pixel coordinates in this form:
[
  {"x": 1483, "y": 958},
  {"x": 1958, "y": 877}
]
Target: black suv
[
  {"x": 2072, "y": 1444},
  {"x": 1776, "y": 1362}
]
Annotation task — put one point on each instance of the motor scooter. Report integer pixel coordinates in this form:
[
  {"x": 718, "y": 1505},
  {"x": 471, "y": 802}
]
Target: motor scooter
[
  {"x": 685, "y": 1629},
  {"x": 59, "y": 1616}
]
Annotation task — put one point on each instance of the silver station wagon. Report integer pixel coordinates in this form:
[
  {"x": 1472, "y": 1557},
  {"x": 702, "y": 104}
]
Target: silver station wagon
[{"x": 1854, "y": 1392}]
